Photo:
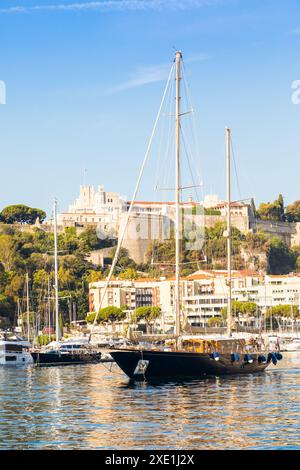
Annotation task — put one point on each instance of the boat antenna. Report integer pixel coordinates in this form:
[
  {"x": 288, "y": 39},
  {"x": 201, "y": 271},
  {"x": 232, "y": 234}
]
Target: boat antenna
[
  {"x": 228, "y": 232},
  {"x": 178, "y": 57}
]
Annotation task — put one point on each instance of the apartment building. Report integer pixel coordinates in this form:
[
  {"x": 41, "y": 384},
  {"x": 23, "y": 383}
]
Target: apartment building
[{"x": 203, "y": 294}]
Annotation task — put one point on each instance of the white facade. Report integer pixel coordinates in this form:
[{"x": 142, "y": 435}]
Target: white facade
[
  {"x": 98, "y": 208},
  {"x": 203, "y": 294}
]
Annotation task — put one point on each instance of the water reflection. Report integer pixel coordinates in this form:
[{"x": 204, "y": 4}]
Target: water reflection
[{"x": 89, "y": 407}]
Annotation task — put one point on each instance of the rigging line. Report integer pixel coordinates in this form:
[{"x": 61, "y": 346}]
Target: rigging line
[
  {"x": 165, "y": 130},
  {"x": 193, "y": 120},
  {"x": 23, "y": 299},
  {"x": 189, "y": 163},
  {"x": 235, "y": 168},
  {"x": 39, "y": 310},
  {"x": 120, "y": 239},
  {"x": 169, "y": 148},
  {"x": 168, "y": 127},
  {"x": 167, "y": 161}
]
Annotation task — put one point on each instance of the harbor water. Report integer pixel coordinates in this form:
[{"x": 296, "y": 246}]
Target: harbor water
[{"x": 90, "y": 407}]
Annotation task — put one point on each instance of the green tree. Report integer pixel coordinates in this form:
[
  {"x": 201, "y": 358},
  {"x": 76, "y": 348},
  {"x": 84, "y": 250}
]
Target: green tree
[
  {"x": 129, "y": 273},
  {"x": 282, "y": 311},
  {"x": 214, "y": 322},
  {"x": 281, "y": 259},
  {"x": 7, "y": 251},
  {"x": 69, "y": 241},
  {"x": 111, "y": 314},
  {"x": 245, "y": 308},
  {"x": 272, "y": 210},
  {"x": 82, "y": 302},
  {"x": 40, "y": 278},
  {"x": 7, "y": 307},
  {"x": 90, "y": 318},
  {"x": 93, "y": 276},
  {"x": 292, "y": 212},
  {"x": 15, "y": 285},
  {"x": 22, "y": 214},
  {"x": 255, "y": 241},
  {"x": 66, "y": 278},
  {"x": 147, "y": 314},
  {"x": 90, "y": 241}
]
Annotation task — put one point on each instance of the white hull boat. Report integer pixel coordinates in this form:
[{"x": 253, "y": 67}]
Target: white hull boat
[
  {"x": 14, "y": 351},
  {"x": 293, "y": 345}
]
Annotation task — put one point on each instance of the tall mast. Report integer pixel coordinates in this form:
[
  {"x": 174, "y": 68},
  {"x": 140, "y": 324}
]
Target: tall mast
[
  {"x": 57, "y": 332},
  {"x": 27, "y": 303},
  {"x": 49, "y": 308},
  {"x": 229, "y": 306},
  {"x": 178, "y": 57},
  {"x": 19, "y": 312}
]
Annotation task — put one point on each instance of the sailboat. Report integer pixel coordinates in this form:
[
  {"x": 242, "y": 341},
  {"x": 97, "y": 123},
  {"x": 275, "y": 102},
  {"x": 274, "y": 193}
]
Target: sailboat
[
  {"x": 191, "y": 356},
  {"x": 63, "y": 352}
]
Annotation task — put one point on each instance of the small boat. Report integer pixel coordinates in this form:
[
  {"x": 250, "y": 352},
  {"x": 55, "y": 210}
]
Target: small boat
[
  {"x": 14, "y": 350},
  {"x": 106, "y": 357},
  {"x": 293, "y": 345},
  {"x": 66, "y": 353},
  {"x": 275, "y": 342}
]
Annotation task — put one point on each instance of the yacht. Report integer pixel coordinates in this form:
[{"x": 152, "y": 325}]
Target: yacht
[
  {"x": 293, "y": 345},
  {"x": 66, "y": 353},
  {"x": 193, "y": 357},
  {"x": 14, "y": 350},
  {"x": 72, "y": 351}
]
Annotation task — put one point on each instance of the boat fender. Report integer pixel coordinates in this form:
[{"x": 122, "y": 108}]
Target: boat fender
[
  {"x": 248, "y": 358},
  {"x": 215, "y": 356},
  {"x": 272, "y": 357},
  {"x": 262, "y": 359},
  {"x": 279, "y": 356},
  {"x": 235, "y": 357}
]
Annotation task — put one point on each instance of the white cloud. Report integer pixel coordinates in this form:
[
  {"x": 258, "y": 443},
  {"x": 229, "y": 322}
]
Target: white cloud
[
  {"x": 151, "y": 74},
  {"x": 115, "y": 5},
  {"x": 142, "y": 76},
  {"x": 196, "y": 58}
]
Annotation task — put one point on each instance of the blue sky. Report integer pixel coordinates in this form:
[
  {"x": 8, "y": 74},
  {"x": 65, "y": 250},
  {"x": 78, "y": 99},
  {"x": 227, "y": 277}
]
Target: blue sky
[{"x": 84, "y": 81}]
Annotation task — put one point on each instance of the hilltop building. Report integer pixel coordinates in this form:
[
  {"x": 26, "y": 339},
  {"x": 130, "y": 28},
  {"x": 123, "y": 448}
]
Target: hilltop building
[
  {"x": 94, "y": 208},
  {"x": 153, "y": 220}
]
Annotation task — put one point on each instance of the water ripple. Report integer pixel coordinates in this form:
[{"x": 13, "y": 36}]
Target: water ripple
[{"x": 88, "y": 407}]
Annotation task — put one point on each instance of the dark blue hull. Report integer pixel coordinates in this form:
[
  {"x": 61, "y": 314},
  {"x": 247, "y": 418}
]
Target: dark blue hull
[
  {"x": 148, "y": 364},
  {"x": 56, "y": 359}
]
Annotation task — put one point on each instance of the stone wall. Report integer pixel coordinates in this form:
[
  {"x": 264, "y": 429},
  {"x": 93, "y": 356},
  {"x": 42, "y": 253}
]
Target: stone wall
[
  {"x": 289, "y": 232},
  {"x": 242, "y": 223}
]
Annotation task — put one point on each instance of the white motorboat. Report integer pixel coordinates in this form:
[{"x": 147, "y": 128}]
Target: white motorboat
[
  {"x": 14, "y": 350},
  {"x": 293, "y": 345}
]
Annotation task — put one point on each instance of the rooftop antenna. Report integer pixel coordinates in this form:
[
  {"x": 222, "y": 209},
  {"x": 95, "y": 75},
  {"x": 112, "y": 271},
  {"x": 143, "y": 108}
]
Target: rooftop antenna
[{"x": 84, "y": 176}]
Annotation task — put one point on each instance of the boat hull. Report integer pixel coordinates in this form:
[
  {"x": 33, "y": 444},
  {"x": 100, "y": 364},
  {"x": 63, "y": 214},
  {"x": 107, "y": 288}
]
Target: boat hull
[
  {"x": 14, "y": 353},
  {"x": 56, "y": 359},
  {"x": 148, "y": 364},
  {"x": 15, "y": 359}
]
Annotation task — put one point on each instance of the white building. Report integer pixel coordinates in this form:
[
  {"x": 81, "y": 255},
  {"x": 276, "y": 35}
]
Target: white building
[
  {"x": 203, "y": 294},
  {"x": 97, "y": 208}
]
